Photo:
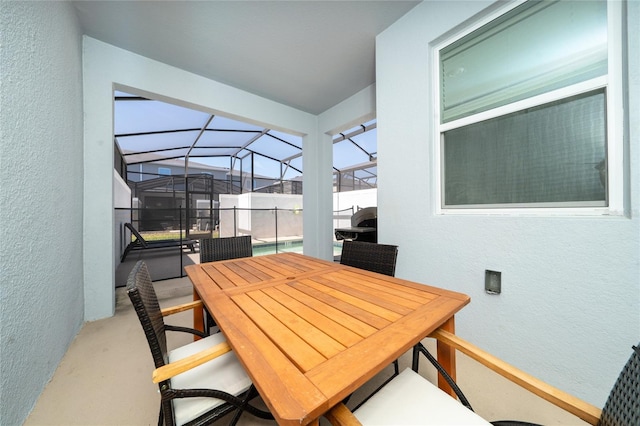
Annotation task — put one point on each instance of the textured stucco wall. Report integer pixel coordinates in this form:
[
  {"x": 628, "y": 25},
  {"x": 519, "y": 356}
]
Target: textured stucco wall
[
  {"x": 41, "y": 291},
  {"x": 570, "y": 302}
]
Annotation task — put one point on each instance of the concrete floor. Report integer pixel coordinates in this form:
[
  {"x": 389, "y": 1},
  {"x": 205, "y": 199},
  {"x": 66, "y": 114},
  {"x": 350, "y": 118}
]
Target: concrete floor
[{"x": 105, "y": 377}]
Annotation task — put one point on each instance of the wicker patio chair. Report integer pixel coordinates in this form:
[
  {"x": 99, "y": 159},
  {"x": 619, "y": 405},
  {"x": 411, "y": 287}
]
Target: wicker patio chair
[
  {"x": 411, "y": 399},
  {"x": 370, "y": 256},
  {"x": 214, "y": 249},
  {"x": 199, "y": 382}
]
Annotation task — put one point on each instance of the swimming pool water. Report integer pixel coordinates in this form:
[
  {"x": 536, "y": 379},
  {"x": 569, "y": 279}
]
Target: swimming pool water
[{"x": 287, "y": 246}]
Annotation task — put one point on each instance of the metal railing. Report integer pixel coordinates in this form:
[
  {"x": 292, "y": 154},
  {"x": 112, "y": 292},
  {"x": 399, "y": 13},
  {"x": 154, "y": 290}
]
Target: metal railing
[{"x": 273, "y": 230}]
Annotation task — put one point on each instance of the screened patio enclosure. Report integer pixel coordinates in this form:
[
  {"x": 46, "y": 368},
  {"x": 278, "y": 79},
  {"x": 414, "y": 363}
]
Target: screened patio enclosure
[
  {"x": 150, "y": 132},
  {"x": 189, "y": 174},
  {"x": 175, "y": 157}
]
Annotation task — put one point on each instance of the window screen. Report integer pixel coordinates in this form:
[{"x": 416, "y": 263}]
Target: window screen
[{"x": 554, "y": 154}]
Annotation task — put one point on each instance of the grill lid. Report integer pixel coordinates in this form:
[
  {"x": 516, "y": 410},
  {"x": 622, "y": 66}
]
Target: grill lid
[{"x": 365, "y": 217}]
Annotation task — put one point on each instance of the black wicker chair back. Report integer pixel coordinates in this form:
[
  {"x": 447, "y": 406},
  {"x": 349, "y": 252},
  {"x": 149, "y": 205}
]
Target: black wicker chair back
[
  {"x": 370, "y": 256},
  {"x": 623, "y": 405},
  {"x": 143, "y": 297},
  {"x": 213, "y": 249},
  {"x": 144, "y": 300}
]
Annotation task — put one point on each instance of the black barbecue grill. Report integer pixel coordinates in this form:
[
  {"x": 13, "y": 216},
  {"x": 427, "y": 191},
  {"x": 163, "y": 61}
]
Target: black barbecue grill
[{"x": 364, "y": 226}]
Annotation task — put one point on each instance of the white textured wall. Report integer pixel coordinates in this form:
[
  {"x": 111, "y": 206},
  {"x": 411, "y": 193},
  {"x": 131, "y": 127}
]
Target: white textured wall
[
  {"x": 41, "y": 293},
  {"x": 261, "y": 224},
  {"x": 570, "y": 306},
  {"x": 361, "y": 198},
  {"x": 348, "y": 199}
]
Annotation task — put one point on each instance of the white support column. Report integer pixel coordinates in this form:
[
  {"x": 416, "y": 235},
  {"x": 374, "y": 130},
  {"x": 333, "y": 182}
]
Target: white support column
[
  {"x": 317, "y": 160},
  {"x": 318, "y": 169},
  {"x": 98, "y": 222}
]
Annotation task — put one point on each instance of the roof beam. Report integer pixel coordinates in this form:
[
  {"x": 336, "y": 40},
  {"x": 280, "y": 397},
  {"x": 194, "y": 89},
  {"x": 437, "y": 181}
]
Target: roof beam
[{"x": 195, "y": 141}]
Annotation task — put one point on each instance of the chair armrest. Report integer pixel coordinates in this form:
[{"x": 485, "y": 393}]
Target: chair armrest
[
  {"x": 341, "y": 416},
  {"x": 180, "y": 308},
  {"x": 173, "y": 369},
  {"x": 567, "y": 402}
]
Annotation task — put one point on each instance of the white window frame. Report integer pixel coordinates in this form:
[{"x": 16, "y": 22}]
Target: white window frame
[{"x": 612, "y": 82}]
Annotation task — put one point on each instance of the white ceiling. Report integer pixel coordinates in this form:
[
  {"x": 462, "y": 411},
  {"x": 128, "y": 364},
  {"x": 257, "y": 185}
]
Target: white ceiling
[{"x": 310, "y": 55}]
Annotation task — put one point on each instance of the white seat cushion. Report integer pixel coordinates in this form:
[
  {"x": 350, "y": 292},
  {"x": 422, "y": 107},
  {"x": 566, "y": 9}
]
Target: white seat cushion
[
  {"x": 224, "y": 373},
  {"x": 410, "y": 399}
]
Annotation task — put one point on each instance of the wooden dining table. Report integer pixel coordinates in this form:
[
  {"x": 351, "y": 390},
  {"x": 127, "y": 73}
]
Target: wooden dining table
[{"x": 309, "y": 332}]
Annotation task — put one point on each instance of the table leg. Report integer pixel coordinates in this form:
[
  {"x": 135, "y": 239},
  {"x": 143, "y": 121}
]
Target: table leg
[
  {"x": 341, "y": 416},
  {"x": 447, "y": 358},
  {"x": 198, "y": 316}
]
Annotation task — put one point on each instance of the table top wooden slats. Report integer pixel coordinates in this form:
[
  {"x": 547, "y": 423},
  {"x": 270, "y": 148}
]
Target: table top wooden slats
[
  {"x": 276, "y": 301},
  {"x": 280, "y": 387},
  {"x": 330, "y": 297},
  {"x": 274, "y": 326},
  {"x": 354, "y": 325},
  {"x": 310, "y": 332},
  {"x": 287, "y": 297},
  {"x": 352, "y": 292}
]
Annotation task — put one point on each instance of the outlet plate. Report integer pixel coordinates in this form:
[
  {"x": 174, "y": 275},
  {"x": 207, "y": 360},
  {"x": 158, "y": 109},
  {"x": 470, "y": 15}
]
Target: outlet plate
[{"x": 492, "y": 282}]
